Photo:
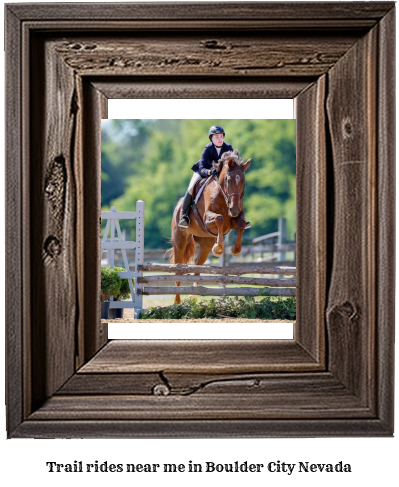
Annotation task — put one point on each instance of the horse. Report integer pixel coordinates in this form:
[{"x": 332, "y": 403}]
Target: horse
[{"x": 219, "y": 210}]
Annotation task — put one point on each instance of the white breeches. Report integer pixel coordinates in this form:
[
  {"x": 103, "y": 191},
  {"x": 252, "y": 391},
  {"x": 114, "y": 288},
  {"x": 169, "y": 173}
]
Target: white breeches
[{"x": 194, "y": 179}]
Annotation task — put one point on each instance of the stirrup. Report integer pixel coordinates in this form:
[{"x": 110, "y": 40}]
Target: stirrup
[
  {"x": 247, "y": 225},
  {"x": 184, "y": 222}
]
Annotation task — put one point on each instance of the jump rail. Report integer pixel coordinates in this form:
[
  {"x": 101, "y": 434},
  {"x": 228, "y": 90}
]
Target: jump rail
[
  {"x": 253, "y": 281},
  {"x": 217, "y": 291},
  {"x": 237, "y": 270},
  {"x": 225, "y": 275}
]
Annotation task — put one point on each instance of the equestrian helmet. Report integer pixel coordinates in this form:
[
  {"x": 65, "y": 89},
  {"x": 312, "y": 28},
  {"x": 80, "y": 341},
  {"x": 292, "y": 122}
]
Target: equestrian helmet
[{"x": 215, "y": 129}]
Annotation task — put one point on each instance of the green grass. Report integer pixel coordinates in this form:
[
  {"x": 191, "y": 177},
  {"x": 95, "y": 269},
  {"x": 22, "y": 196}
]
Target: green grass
[{"x": 265, "y": 308}]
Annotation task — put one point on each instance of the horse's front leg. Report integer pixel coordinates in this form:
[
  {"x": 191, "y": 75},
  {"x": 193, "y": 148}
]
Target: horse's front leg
[
  {"x": 239, "y": 224},
  {"x": 211, "y": 217}
]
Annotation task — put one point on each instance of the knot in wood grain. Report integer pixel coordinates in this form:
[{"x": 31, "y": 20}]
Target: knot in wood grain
[
  {"x": 213, "y": 44},
  {"x": 55, "y": 182},
  {"x": 90, "y": 47},
  {"x": 55, "y": 189},
  {"x": 347, "y": 310},
  {"x": 50, "y": 189},
  {"x": 172, "y": 61},
  {"x": 51, "y": 248},
  {"x": 347, "y": 128},
  {"x": 161, "y": 390},
  {"x": 119, "y": 62}
]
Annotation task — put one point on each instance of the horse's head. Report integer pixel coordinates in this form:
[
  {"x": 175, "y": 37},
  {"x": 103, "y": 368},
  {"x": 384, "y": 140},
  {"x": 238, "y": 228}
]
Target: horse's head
[{"x": 232, "y": 179}]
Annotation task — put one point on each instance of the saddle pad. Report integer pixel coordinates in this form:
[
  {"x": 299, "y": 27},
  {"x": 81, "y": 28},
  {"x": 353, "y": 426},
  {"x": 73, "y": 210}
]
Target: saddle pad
[{"x": 199, "y": 188}]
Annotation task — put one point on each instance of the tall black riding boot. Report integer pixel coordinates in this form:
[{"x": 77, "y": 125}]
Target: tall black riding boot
[{"x": 184, "y": 219}]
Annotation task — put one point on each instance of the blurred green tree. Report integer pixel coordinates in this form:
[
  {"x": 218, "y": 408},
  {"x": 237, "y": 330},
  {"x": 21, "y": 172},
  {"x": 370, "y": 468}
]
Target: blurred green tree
[{"x": 151, "y": 160}]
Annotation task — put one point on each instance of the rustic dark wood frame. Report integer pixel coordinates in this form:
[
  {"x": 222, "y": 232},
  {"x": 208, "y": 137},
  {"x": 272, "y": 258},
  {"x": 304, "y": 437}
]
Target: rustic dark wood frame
[{"x": 336, "y": 376}]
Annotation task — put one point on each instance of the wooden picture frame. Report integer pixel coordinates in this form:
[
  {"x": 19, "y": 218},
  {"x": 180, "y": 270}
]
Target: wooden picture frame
[{"x": 335, "y": 378}]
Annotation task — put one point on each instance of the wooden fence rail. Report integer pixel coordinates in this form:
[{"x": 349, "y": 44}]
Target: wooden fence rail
[
  {"x": 220, "y": 275},
  {"x": 225, "y": 275},
  {"x": 253, "y": 281},
  {"x": 216, "y": 291},
  {"x": 237, "y": 270}
]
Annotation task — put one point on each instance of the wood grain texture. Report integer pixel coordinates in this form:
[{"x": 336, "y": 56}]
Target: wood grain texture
[
  {"x": 95, "y": 333},
  {"x": 203, "y": 407},
  {"x": 176, "y": 87},
  {"x": 352, "y": 129},
  {"x": 205, "y": 397},
  {"x": 53, "y": 206},
  {"x": 185, "y": 383},
  {"x": 64, "y": 63},
  {"x": 132, "y": 384},
  {"x": 200, "y": 356},
  {"x": 78, "y": 175},
  {"x": 191, "y": 428},
  {"x": 311, "y": 218},
  {"x": 16, "y": 318},
  {"x": 266, "y": 383},
  {"x": 241, "y": 55},
  {"x": 385, "y": 271},
  {"x": 359, "y": 14}
]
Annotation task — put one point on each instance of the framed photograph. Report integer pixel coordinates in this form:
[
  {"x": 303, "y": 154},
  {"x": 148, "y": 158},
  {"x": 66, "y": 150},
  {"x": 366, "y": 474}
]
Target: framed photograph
[
  {"x": 65, "y": 379},
  {"x": 152, "y": 163}
]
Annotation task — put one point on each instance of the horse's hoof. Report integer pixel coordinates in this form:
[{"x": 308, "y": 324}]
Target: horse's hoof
[
  {"x": 235, "y": 252},
  {"x": 216, "y": 251}
]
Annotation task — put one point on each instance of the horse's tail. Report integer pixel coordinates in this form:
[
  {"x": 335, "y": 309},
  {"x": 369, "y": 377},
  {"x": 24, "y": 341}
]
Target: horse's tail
[
  {"x": 188, "y": 256},
  {"x": 170, "y": 255}
]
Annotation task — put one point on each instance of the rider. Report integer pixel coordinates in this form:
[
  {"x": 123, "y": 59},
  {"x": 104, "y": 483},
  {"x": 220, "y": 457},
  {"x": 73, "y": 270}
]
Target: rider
[{"x": 203, "y": 169}]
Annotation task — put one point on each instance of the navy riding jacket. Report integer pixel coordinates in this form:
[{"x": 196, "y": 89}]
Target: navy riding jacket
[{"x": 208, "y": 156}]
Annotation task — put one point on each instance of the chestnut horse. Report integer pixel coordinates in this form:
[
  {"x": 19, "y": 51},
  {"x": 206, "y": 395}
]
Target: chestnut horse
[{"x": 221, "y": 209}]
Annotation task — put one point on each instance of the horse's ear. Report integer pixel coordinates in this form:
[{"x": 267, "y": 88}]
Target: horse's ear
[
  {"x": 235, "y": 151},
  {"x": 217, "y": 165},
  {"x": 247, "y": 164}
]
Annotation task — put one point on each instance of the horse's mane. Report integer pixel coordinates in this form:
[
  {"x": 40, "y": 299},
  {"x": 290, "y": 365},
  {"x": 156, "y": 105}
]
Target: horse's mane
[{"x": 238, "y": 161}]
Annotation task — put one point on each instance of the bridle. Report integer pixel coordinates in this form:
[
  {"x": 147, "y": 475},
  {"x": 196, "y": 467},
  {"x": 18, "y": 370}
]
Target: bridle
[{"x": 228, "y": 196}]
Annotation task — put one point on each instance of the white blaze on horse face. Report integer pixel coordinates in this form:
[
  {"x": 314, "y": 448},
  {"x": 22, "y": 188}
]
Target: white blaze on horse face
[{"x": 238, "y": 179}]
